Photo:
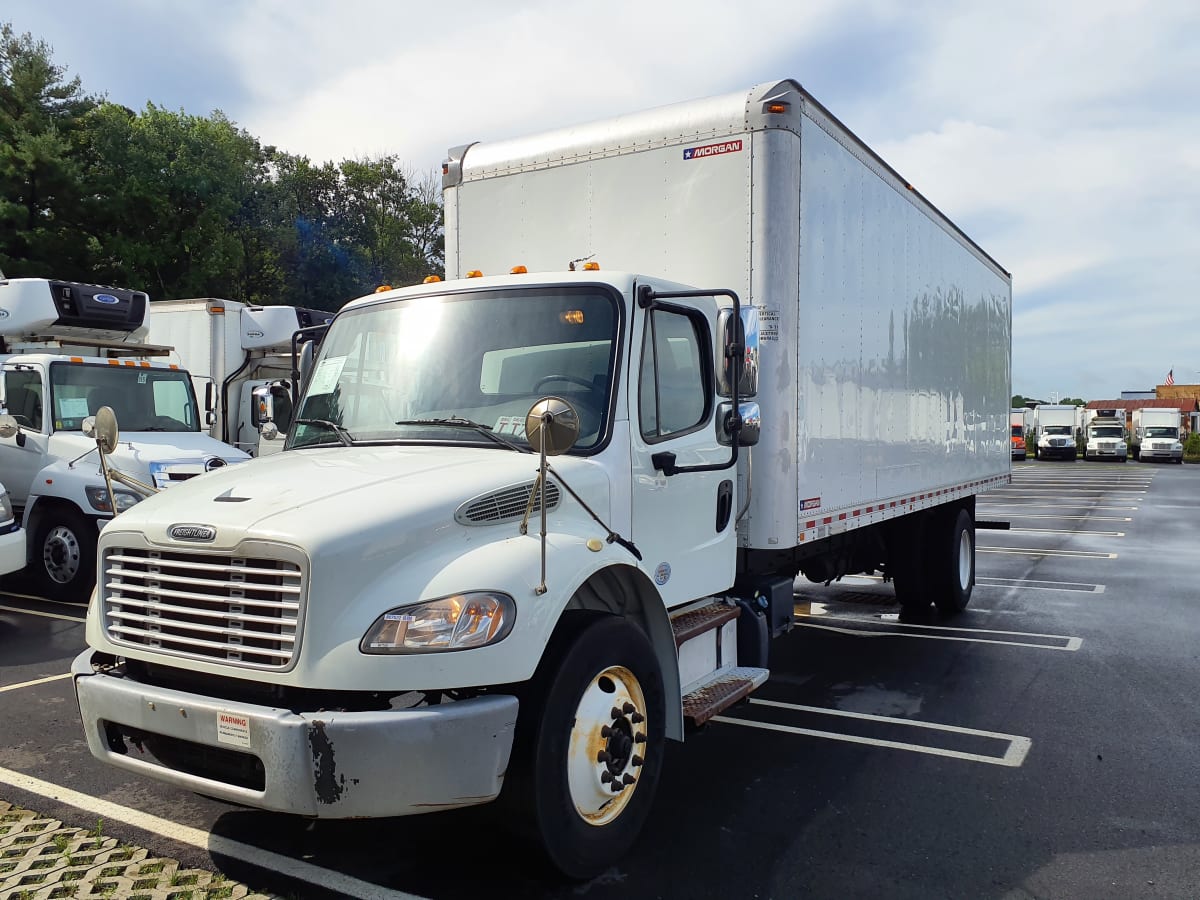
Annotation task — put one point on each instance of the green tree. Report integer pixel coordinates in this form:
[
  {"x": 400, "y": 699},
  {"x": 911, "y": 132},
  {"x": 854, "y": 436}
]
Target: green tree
[
  {"x": 42, "y": 212},
  {"x": 1017, "y": 401}
]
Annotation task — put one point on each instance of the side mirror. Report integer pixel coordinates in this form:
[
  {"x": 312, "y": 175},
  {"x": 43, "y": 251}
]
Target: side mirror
[
  {"x": 264, "y": 406},
  {"x": 727, "y": 333},
  {"x": 103, "y": 427},
  {"x": 552, "y": 426},
  {"x": 269, "y": 431},
  {"x": 8, "y": 426},
  {"x": 751, "y": 424}
]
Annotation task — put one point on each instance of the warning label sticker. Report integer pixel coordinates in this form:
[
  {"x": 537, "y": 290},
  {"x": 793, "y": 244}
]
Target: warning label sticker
[
  {"x": 712, "y": 149},
  {"x": 233, "y": 729}
]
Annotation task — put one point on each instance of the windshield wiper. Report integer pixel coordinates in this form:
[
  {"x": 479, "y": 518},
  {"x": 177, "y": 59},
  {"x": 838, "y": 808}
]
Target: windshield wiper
[
  {"x": 460, "y": 422},
  {"x": 342, "y": 434}
]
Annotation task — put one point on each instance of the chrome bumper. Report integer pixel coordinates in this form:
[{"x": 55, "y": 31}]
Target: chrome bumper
[{"x": 327, "y": 765}]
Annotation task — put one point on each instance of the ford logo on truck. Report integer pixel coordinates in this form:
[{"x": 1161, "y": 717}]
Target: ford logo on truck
[{"x": 193, "y": 533}]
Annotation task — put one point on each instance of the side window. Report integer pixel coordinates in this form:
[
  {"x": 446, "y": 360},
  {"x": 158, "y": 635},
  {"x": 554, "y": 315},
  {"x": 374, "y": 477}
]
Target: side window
[
  {"x": 23, "y": 397},
  {"x": 171, "y": 401},
  {"x": 673, "y": 386}
]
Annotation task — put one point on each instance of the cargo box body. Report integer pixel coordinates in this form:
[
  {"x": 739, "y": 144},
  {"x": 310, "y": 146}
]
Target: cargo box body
[{"x": 885, "y": 333}]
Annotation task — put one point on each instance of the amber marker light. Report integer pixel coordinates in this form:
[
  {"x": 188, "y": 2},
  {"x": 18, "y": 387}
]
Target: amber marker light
[
  {"x": 777, "y": 108},
  {"x": 518, "y": 270},
  {"x": 385, "y": 287},
  {"x": 571, "y": 317},
  {"x": 432, "y": 279},
  {"x": 474, "y": 273},
  {"x": 591, "y": 267}
]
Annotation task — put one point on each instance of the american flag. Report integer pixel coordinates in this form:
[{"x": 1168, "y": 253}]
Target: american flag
[{"x": 1171, "y": 377}]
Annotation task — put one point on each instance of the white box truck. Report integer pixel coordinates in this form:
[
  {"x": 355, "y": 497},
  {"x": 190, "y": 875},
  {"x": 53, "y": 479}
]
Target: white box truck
[
  {"x": 796, "y": 365},
  {"x": 240, "y": 360},
  {"x": 1104, "y": 435},
  {"x": 66, "y": 350},
  {"x": 1156, "y": 434},
  {"x": 1054, "y": 431}
]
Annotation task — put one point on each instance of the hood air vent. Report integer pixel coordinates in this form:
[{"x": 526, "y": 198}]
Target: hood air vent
[{"x": 505, "y": 505}]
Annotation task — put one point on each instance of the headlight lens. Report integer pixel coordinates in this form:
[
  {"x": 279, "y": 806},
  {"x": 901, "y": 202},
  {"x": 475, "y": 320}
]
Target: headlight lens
[
  {"x": 460, "y": 622},
  {"x": 98, "y": 497},
  {"x": 6, "y": 512}
]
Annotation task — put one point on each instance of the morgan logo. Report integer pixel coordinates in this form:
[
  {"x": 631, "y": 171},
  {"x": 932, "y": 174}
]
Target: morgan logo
[
  {"x": 193, "y": 533},
  {"x": 712, "y": 149}
]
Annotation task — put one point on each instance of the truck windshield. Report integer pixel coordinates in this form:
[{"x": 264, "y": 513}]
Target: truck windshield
[
  {"x": 144, "y": 399},
  {"x": 1057, "y": 429},
  {"x": 414, "y": 369},
  {"x": 1162, "y": 432},
  {"x": 1018, "y": 431},
  {"x": 1108, "y": 431}
]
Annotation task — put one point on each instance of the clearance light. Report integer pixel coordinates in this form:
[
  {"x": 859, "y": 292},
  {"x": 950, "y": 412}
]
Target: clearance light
[
  {"x": 591, "y": 267},
  {"x": 112, "y": 362},
  {"x": 777, "y": 108},
  {"x": 518, "y": 270},
  {"x": 432, "y": 279},
  {"x": 571, "y": 317},
  {"x": 385, "y": 287},
  {"x": 474, "y": 273}
]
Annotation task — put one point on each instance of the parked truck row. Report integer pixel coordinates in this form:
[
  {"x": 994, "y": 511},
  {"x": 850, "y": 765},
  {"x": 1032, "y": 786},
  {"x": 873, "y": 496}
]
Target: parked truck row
[
  {"x": 1066, "y": 432},
  {"x": 533, "y": 521}
]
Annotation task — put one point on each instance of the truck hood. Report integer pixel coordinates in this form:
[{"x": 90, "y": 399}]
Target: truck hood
[
  {"x": 349, "y": 501},
  {"x": 160, "y": 458}
]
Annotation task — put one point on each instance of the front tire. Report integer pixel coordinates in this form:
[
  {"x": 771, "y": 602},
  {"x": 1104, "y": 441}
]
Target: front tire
[
  {"x": 590, "y": 742},
  {"x": 64, "y": 554}
]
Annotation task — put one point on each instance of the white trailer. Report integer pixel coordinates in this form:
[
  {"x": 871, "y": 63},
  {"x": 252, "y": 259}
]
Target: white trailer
[
  {"x": 1156, "y": 434},
  {"x": 1104, "y": 435},
  {"x": 452, "y": 614},
  {"x": 240, "y": 359},
  {"x": 66, "y": 350},
  {"x": 1054, "y": 431}
]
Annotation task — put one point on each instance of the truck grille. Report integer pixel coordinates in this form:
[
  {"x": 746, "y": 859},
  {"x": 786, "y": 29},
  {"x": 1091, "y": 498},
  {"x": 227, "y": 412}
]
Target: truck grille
[
  {"x": 232, "y": 609},
  {"x": 1058, "y": 442}
]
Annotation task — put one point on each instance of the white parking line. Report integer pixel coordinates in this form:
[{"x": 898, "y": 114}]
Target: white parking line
[
  {"x": 1071, "y": 643},
  {"x": 1065, "y": 531},
  {"x": 1033, "y": 584},
  {"x": 1014, "y": 756},
  {"x": 1034, "y": 551},
  {"x": 43, "y": 599},
  {"x": 215, "y": 844},
  {"x": 44, "y": 615},
  {"x": 1088, "y": 518},
  {"x": 35, "y": 682}
]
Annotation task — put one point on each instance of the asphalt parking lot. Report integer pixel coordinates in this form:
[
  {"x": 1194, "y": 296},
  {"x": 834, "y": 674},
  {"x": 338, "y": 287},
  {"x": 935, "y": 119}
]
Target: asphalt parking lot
[{"x": 1042, "y": 744}]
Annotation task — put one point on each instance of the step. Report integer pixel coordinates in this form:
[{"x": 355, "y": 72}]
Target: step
[
  {"x": 720, "y": 692},
  {"x": 706, "y": 618}
]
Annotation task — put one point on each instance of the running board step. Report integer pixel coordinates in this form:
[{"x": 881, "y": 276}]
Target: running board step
[
  {"x": 724, "y": 689},
  {"x": 706, "y": 618}
]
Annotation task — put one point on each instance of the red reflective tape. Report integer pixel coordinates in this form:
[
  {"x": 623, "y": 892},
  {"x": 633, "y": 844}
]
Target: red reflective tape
[
  {"x": 870, "y": 509},
  {"x": 858, "y": 512},
  {"x": 841, "y": 516},
  {"x": 826, "y": 520},
  {"x": 810, "y": 524}
]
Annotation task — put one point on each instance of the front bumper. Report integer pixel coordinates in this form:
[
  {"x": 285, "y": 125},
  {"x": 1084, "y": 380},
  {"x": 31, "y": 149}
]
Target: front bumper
[
  {"x": 1169, "y": 455},
  {"x": 12, "y": 551},
  {"x": 332, "y": 765},
  {"x": 1056, "y": 452}
]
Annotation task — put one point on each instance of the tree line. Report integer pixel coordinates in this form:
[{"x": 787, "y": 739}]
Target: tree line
[{"x": 181, "y": 205}]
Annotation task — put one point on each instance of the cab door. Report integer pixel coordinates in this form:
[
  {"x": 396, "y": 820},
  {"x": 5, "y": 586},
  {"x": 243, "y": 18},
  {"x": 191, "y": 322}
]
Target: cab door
[
  {"x": 683, "y": 524},
  {"x": 23, "y": 396}
]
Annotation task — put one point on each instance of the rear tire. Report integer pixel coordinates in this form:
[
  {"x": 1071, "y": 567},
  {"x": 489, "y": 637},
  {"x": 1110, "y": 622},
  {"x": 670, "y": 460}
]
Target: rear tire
[
  {"x": 595, "y": 716},
  {"x": 951, "y": 561}
]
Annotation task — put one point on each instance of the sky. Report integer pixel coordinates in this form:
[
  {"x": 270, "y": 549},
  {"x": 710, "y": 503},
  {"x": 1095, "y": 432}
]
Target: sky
[{"x": 1063, "y": 137}]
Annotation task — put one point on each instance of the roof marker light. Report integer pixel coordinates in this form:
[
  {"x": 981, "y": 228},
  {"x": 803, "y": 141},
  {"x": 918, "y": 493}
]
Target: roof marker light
[
  {"x": 385, "y": 287},
  {"x": 777, "y": 108},
  {"x": 432, "y": 279},
  {"x": 591, "y": 267},
  {"x": 475, "y": 273},
  {"x": 518, "y": 270}
]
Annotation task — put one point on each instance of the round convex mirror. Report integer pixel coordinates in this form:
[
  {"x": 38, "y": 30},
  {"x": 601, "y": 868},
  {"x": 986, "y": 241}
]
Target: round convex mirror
[{"x": 553, "y": 425}]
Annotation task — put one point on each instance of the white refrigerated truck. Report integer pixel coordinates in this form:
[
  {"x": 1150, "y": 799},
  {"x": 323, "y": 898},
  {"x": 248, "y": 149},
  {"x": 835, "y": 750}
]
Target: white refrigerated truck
[
  {"x": 427, "y": 611},
  {"x": 67, "y": 349},
  {"x": 240, "y": 360},
  {"x": 1156, "y": 434},
  {"x": 1104, "y": 435}
]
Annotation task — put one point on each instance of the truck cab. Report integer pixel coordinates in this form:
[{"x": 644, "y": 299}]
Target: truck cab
[
  {"x": 1105, "y": 435},
  {"x": 66, "y": 351}
]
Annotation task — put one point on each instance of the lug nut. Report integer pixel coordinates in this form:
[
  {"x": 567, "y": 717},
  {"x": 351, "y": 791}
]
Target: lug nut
[
  {"x": 606, "y": 776},
  {"x": 614, "y": 714},
  {"x": 628, "y": 708},
  {"x": 617, "y": 787},
  {"x": 603, "y": 756},
  {"x": 627, "y": 779},
  {"x": 636, "y": 761},
  {"x": 605, "y": 731},
  {"x": 639, "y": 739},
  {"x": 637, "y": 718}
]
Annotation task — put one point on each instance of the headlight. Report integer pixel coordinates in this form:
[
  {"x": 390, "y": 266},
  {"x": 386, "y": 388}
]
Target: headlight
[
  {"x": 460, "y": 622},
  {"x": 6, "y": 512},
  {"x": 98, "y": 497},
  {"x": 1177, "y": 446}
]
